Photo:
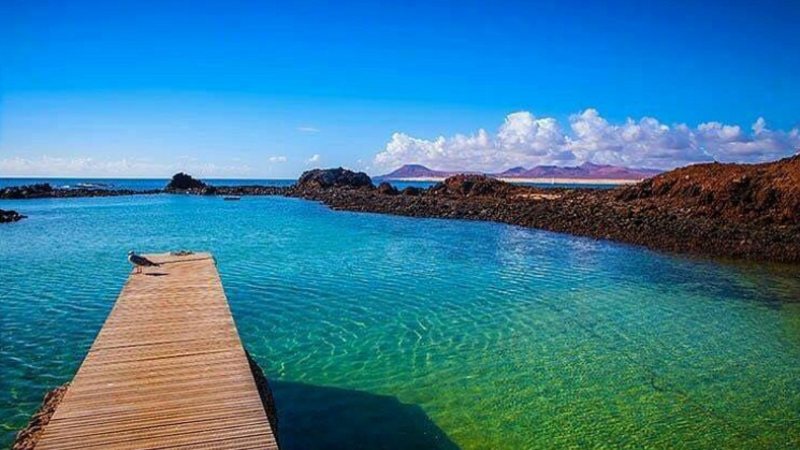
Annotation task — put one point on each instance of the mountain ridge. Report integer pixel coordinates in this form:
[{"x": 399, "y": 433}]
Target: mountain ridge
[{"x": 585, "y": 171}]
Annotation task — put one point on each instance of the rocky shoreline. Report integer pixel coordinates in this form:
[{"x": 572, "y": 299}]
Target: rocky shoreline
[
  {"x": 45, "y": 190},
  {"x": 736, "y": 211},
  {"x": 589, "y": 214}
]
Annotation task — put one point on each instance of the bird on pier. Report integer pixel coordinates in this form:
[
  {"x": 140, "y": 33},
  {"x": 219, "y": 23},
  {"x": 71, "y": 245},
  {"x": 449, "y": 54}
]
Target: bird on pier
[{"x": 139, "y": 261}]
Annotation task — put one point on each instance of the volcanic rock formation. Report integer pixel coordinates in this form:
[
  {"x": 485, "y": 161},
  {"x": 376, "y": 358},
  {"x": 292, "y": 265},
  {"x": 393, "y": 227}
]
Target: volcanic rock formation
[{"x": 333, "y": 178}]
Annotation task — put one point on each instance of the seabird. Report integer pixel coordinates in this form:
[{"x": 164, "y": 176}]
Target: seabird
[{"x": 140, "y": 261}]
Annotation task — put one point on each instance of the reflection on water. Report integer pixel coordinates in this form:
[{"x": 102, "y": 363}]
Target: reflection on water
[{"x": 471, "y": 335}]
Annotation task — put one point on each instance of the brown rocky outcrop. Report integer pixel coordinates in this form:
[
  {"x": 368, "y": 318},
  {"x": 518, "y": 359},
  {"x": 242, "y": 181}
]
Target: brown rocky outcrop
[
  {"x": 474, "y": 186},
  {"x": 761, "y": 193},
  {"x": 387, "y": 189}
]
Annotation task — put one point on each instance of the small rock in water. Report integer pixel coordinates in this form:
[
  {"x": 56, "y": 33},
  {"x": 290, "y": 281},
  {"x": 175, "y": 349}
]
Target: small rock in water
[{"x": 8, "y": 216}]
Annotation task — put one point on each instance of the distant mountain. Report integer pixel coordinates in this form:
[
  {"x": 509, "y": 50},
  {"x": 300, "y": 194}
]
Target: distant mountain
[
  {"x": 415, "y": 171},
  {"x": 589, "y": 171},
  {"x": 513, "y": 172},
  {"x": 586, "y": 171}
]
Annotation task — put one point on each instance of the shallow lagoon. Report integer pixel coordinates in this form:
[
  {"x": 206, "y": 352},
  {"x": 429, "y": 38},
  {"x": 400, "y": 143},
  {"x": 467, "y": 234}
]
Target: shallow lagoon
[{"x": 415, "y": 333}]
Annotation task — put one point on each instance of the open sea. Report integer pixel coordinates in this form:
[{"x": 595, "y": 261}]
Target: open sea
[{"x": 392, "y": 332}]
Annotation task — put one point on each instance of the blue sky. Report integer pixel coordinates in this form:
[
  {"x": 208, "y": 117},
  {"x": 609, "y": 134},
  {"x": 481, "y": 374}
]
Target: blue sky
[{"x": 257, "y": 89}]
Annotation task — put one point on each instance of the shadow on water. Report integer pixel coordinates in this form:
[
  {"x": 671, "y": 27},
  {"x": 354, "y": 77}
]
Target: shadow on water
[{"x": 316, "y": 417}]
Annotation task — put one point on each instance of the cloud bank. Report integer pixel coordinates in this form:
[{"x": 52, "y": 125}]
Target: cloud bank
[{"x": 525, "y": 140}]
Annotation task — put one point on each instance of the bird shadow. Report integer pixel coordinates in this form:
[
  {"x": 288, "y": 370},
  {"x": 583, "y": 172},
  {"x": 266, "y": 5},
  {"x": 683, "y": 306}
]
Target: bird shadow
[
  {"x": 156, "y": 274},
  {"x": 319, "y": 417}
]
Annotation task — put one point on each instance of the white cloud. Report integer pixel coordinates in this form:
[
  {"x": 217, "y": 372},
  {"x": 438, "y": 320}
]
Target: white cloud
[
  {"x": 278, "y": 159},
  {"x": 313, "y": 160},
  {"x": 48, "y": 166},
  {"x": 307, "y": 129},
  {"x": 524, "y": 140}
]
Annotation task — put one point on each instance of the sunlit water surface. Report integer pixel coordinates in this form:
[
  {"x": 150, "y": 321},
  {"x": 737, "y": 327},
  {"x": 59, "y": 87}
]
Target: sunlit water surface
[{"x": 392, "y": 332}]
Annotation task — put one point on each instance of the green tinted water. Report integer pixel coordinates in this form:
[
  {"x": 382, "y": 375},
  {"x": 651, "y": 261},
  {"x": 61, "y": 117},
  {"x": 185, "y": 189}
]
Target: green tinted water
[{"x": 392, "y": 332}]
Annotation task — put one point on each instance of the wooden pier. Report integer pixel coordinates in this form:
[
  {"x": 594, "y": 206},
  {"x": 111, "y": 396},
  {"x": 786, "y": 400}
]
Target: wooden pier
[{"x": 167, "y": 370}]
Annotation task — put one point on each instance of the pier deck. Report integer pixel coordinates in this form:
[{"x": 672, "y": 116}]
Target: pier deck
[{"x": 167, "y": 370}]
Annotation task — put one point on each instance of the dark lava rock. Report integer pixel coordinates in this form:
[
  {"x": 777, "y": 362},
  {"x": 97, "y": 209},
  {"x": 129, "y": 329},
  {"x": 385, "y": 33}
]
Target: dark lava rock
[
  {"x": 40, "y": 190},
  {"x": 387, "y": 189},
  {"x": 333, "y": 178},
  {"x": 473, "y": 186},
  {"x": 182, "y": 182},
  {"x": 10, "y": 216},
  {"x": 411, "y": 191},
  {"x": 44, "y": 190}
]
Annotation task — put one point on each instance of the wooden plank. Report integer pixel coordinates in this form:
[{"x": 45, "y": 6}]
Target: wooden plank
[{"x": 167, "y": 370}]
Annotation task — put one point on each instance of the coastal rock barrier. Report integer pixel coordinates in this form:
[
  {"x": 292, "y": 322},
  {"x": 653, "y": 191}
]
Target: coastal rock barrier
[
  {"x": 721, "y": 210},
  {"x": 45, "y": 190}
]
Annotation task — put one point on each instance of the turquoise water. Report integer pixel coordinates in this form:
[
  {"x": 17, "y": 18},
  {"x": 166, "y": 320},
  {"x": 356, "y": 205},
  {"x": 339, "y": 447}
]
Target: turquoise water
[{"x": 392, "y": 332}]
